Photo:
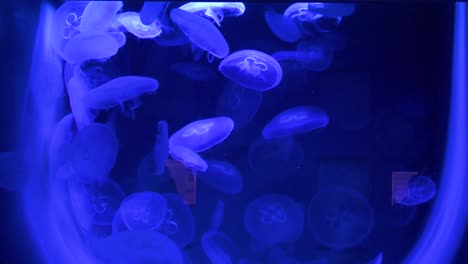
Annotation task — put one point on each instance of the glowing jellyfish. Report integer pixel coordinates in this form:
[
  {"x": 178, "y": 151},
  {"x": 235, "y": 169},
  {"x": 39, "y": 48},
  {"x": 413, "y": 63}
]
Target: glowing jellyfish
[
  {"x": 94, "y": 151},
  {"x": 179, "y": 223},
  {"x": 78, "y": 87},
  {"x": 252, "y": 69},
  {"x": 203, "y": 134},
  {"x": 274, "y": 218},
  {"x": 201, "y": 32},
  {"x": 152, "y": 11},
  {"x": 332, "y": 9},
  {"x": 215, "y": 10},
  {"x": 94, "y": 202},
  {"x": 119, "y": 37},
  {"x": 283, "y": 27},
  {"x": 161, "y": 148},
  {"x": 137, "y": 247},
  {"x": 239, "y": 103},
  {"x": 421, "y": 189},
  {"x": 131, "y": 22},
  {"x": 90, "y": 45},
  {"x": 12, "y": 171},
  {"x": 143, "y": 211},
  {"x": 308, "y": 55},
  {"x": 303, "y": 14},
  {"x": 217, "y": 216},
  {"x": 223, "y": 177},
  {"x": 220, "y": 248},
  {"x": 189, "y": 158},
  {"x": 61, "y": 142},
  {"x": 98, "y": 72},
  {"x": 296, "y": 120},
  {"x": 340, "y": 217},
  {"x": 119, "y": 90},
  {"x": 194, "y": 71},
  {"x": 98, "y": 15}
]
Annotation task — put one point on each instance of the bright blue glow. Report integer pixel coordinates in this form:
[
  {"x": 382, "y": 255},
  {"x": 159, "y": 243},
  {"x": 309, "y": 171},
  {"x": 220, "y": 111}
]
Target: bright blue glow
[
  {"x": 283, "y": 27},
  {"x": 216, "y": 11},
  {"x": 152, "y": 12},
  {"x": 188, "y": 157},
  {"x": 296, "y": 120},
  {"x": 252, "y": 69},
  {"x": 445, "y": 227},
  {"x": 274, "y": 218},
  {"x": 203, "y": 134},
  {"x": 220, "y": 248},
  {"x": 223, "y": 177},
  {"x": 98, "y": 15},
  {"x": 61, "y": 142},
  {"x": 340, "y": 217},
  {"x": 302, "y": 13},
  {"x": 78, "y": 87},
  {"x": 194, "y": 71},
  {"x": 119, "y": 37},
  {"x": 217, "y": 216},
  {"x": 143, "y": 211},
  {"x": 421, "y": 189},
  {"x": 161, "y": 148},
  {"x": 131, "y": 21},
  {"x": 90, "y": 45}
]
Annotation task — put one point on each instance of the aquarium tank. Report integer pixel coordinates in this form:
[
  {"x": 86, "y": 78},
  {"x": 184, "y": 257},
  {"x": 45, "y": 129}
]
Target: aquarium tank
[{"x": 233, "y": 132}]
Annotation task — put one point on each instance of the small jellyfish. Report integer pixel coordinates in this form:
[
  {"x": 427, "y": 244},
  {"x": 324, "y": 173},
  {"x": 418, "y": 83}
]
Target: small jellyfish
[
  {"x": 303, "y": 14},
  {"x": 88, "y": 46},
  {"x": 216, "y": 11},
  {"x": 143, "y": 211},
  {"x": 98, "y": 15},
  {"x": 61, "y": 142},
  {"x": 220, "y": 248},
  {"x": 12, "y": 171},
  {"x": 78, "y": 87},
  {"x": 309, "y": 56},
  {"x": 283, "y": 27},
  {"x": 131, "y": 22},
  {"x": 252, "y": 69},
  {"x": 201, "y": 32},
  {"x": 94, "y": 202},
  {"x": 94, "y": 151},
  {"x": 137, "y": 247},
  {"x": 217, "y": 216},
  {"x": 161, "y": 148},
  {"x": 274, "y": 218},
  {"x": 340, "y": 217},
  {"x": 223, "y": 177},
  {"x": 203, "y": 134},
  {"x": 189, "y": 158},
  {"x": 194, "y": 71},
  {"x": 421, "y": 189},
  {"x": 119, "y": 90},
  {"x": 296, "y": 120},
  {"x": 152, "y": 12}
]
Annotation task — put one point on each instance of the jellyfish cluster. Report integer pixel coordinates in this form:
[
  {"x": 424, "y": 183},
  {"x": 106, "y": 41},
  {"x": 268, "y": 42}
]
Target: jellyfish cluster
[{"x": 181, "y": 201}]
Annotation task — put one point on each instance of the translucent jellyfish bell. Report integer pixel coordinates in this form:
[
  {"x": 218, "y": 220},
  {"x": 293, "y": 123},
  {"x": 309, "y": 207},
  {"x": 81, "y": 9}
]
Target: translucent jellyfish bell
[
  {"x": 223, "y": 177},
  {"x": 252, "y": 69},
  {"x": 203, "y": 134},
  {"x": 421, "y": 189},
  {"x": 201, "y": 32},
  {"x": 61, "y": 142},
  {"x": 309, "y": 55},
  {"x": 303, "y": 14},
  {"x": 98, "y": 15},
  {"x": 143, "y": 211},
  {"x": 152, "y": 12},
  {"x": 90, "y": 45},
  {"x": 283, "y": 27},
  {"x": 188, "y": 157},
  {"x": 219, "y": 248},
  {"x": 274, "y": 218},
  {"x": 215, "y": 10},
  {"x": 340, "y": 217},
  {"x": 194, "y": 71},
  {"x": 296, "y": 120},
  {"x": 131, "y": 22}
]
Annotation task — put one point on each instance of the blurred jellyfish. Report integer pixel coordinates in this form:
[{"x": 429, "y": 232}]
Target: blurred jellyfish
[
  {"x": 201, "y": 32},
  {"x": 61, "y": 142},
  {"x": 238, "y": 103},
  {"x": 179, "y": 223},
  {"x": 223, "y": 177},
  {"x": 131, "y": 22},
  {"x": 137, "y": 247},
  {"x": 143, "y": 211},
  {"x": 94, "y": 202},
  {"x": 98, "y": 72},
  {"x": 161, "y": 148},
  {"x": 296, "y": 120},
  {"x": 252, "y": 69},
  {"x": 78, "y": 87},
  {"x": 189, "y": 158},
  {"x": 274, "y": 218},
  {"x": 282, "y": 26},
  {"x": 215, "y": 10},
  {"x": 117, "y": 224},
  {"x": 185, "y": 179},
  {"x": 94, "y": 151},
  {"x": 332, "y": 9},
  {"x": 217, "y": 216},
  {"x": 321, "y": 23},
  {"x": 309, "y": 56},
  {"x": 220, "y": 248},
  {"x": 90, "y": 45},
  {"x": 152, "y": 12},
  {"x": 377, "y": 260},
  {"x": 194, "y": 71},
  {"x": 119, "y": 37},
  {"x": 203, "y": 134},
  {"x": 98, "y": 15},
  {"x": 13, "y": 174},
  {"x": 129, "y": 107},
  {"x": 340, "y": 217},
  {"x": 119, "y": 90},
  {"x": 421, "y": 189}
]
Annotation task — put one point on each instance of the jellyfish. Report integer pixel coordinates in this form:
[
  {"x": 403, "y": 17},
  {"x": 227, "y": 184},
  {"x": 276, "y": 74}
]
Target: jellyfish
[
  {"x": 377, "y": 260},
  {"x": 216, "y": 11},
  {"x": 189, "y": 158},
  {"x": 179, "y": 223},
  {"x": 119, "y": 37},
  {"x": 308, "y": 55},
  {"x": 78, "y": 87},
  {"x": 340, "y": 217},
  {"x": 172, "y": 37},
  {"x": 217, "y": 216},
  {"x": 98, "y": 15},
  {"x": 194, "y": 71},
  {"x": 220, "y": 248},
  {"x": 137, "y": 247},
  {"x": 274, "y": 219},
  {"x": 161, "y": 148},
  {"x": 252, "y": 69},
  {"x": 94, "y": 151},
  {"x": 303, "y": 14},
  {"x": 143, "y": 211},
  {"x": 201, "y": 32},
  {"x": 117, "y": 224},
  {"x": 119, "y": 90},
  {"x": 90, "y": 45},
  {"x": 61, "y": 142},
  {"x": 152, "y": 12},
  {"x": 131, "y": 22},
  {"x": 332, "y": 9},
  {"x": 296, "y": 120},
  {"x": 223, "y": 177},
  {"x": 203, "y": 134},
  {"x": 421, "y": 189},
  {"x": 13, "y": 174},
  {"x": 283, "y": 27},
  {"x": 98, "y": 73},
  {"x": 185, "y": 179},
  {"x": 94, "y": 202},
  {"x": 239, "y": 103}
]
